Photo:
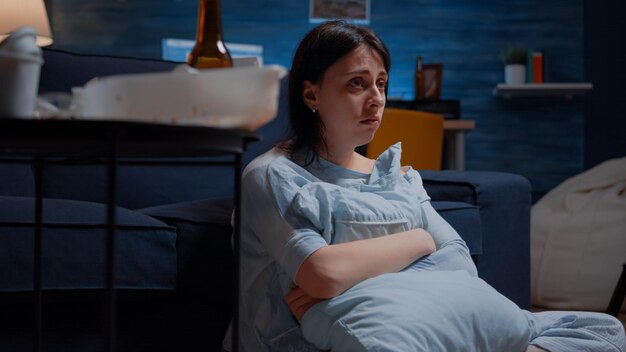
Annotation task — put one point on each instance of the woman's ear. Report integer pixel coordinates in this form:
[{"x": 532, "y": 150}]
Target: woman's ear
[{"x": 309, "y": 94}]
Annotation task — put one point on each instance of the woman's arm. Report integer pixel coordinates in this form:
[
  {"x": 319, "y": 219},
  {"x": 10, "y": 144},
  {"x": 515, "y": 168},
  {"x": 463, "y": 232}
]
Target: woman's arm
[{"x": 332, "y": 269}]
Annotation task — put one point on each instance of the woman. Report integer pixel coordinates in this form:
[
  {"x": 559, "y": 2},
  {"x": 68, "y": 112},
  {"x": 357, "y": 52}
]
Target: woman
[{"x": 344, "y": 253}]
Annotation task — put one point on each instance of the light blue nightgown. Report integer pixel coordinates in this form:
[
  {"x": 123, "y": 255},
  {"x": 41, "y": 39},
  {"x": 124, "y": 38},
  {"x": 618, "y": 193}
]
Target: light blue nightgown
[{"x": 435, "y": 304}]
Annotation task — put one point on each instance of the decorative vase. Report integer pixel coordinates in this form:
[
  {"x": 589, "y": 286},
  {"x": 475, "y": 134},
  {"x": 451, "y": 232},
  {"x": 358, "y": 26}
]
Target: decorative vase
[{"x": 515, "y": 74}]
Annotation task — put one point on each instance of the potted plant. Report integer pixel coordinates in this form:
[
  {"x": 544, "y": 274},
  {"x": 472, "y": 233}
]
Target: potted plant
[{"x": 514, "y": 59}]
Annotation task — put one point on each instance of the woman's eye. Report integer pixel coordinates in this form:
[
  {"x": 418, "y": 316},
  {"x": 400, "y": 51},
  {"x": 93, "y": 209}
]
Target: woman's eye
[
  {"x": 356, "y": 83},
  {"x": 381, "y": 84}
]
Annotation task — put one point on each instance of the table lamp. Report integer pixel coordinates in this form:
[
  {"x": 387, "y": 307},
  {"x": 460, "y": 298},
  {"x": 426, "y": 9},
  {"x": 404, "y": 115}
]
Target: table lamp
[
  {"x": 24, "y": 27},
  {"x": 17, "y": 13}
]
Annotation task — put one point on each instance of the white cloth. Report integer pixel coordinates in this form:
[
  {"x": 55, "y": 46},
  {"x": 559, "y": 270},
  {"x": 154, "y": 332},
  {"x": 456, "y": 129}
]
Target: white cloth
[{"x": 578, "y": 239}]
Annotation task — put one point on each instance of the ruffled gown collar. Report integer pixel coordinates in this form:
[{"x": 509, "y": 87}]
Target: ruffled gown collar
[{"x": 387, "y": 164}]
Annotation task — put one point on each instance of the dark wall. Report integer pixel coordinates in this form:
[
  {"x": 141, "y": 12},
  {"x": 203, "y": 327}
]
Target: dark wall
[
  {"x": 605, "y": 59},
  {"x": 541, "y": 139}
]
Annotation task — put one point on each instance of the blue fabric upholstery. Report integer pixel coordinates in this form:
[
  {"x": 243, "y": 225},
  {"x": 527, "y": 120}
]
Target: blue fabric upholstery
[
  {"x": 63, "y": 70},
  {"x": 464, "y": 218},
  {"x": 205, "y": 264},
  {"x": 159, "y": 185},
  {"x": 17, "y": 180},
  {"x": 203, "y": 241},
  {"x": 503, "y": 202},
  {"x": 74, "y": 247}
]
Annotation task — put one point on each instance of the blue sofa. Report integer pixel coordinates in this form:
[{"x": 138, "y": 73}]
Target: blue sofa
[{"x": 174, "y": 262}]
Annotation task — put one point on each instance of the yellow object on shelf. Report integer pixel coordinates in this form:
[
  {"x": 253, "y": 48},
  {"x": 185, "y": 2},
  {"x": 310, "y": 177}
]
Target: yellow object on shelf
[{"x": 421, "y": 134}]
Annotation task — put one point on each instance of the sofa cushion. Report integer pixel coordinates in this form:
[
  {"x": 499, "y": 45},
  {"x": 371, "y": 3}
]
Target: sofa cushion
[
  {"x": 203, "y": 242},
  {"x": 205, "y": 261},
  {"x": 138, "y": 186},
  {"x": 17, "y": 180},
  {"x": 74, "y": 247},
  {"x": 442, "y": 185},
  {"x": 465, "y": 219}
]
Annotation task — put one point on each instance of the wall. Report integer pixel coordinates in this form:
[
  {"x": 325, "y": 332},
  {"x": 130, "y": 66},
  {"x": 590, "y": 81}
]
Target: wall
[
  {"x": 541, "y": 139},
  {"x": 605, "y": 57}
]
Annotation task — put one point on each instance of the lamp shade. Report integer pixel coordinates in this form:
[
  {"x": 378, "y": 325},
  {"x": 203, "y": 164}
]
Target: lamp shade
[{"x": 17, "y": 13}]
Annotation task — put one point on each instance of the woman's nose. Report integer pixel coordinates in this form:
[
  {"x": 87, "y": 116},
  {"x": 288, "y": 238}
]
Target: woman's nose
[{"x": 377, "y": 99}]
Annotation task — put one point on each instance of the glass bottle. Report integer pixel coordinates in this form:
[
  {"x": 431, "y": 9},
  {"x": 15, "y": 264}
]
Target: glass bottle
[
  {"x": 209, "y": 50},
  {"x": 419, "y": 79}
]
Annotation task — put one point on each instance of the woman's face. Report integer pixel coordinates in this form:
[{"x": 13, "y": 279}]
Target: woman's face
[{"x": 350, "y": 98}]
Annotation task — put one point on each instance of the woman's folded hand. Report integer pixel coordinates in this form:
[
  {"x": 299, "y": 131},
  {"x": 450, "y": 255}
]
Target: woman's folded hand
[{"x": 299, "y": 301}]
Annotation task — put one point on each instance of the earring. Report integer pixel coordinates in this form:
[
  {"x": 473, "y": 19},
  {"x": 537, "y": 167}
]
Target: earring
[{"x": 313, "y": 109}]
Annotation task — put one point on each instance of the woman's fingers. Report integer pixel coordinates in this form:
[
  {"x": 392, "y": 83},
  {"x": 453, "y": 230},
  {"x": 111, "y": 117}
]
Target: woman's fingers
[
  {"x": 294, "y": 294},
  {"x": 299, "y": 302},
  {"x": 304, "y": 308}
]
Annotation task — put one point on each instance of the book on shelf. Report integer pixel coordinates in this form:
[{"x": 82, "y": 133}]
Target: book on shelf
[
  {"x": 535, "y": 67},
  {"x": 537, "y": 62},
  {"x": 529, "y": 67}
]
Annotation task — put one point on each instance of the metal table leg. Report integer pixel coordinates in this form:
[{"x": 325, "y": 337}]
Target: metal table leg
[
  {"x": 111, "y": 240},
  {"x": 38, "y": 254},
  {"x": 237, "y": 256}
]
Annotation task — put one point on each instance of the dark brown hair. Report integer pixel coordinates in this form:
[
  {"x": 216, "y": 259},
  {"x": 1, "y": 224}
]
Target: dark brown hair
[{"x": 318, "y": 50}]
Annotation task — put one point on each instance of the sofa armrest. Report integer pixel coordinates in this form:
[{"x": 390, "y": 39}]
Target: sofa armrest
[{"x": 504, "y": 202}]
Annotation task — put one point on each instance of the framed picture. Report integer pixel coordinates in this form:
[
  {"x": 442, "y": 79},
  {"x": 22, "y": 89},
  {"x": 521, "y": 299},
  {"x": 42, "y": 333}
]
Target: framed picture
[
  {"x": 354, "y": 11},
  {"x": 430, "y": 85}
]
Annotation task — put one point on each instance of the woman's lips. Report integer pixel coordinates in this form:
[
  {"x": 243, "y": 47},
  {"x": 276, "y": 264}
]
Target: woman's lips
[{"x": 370, "y": 121}]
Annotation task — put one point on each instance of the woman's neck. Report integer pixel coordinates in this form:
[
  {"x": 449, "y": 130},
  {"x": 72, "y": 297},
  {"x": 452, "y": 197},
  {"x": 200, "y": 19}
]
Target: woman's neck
[{"x": 349, "y": 159}]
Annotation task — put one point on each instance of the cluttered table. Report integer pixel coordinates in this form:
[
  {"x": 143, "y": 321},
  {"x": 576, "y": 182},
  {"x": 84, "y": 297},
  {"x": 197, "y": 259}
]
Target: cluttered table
[{"x": 112, "y": 143}]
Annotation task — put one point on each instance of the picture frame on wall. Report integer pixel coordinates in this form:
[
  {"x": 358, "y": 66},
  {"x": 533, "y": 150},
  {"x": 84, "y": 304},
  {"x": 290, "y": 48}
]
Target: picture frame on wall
[
  {"x": 430, "y": 85},
  {"x": 353, "y": 11}
]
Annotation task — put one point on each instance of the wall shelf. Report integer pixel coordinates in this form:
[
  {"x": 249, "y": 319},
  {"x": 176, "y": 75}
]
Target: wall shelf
[{"x": 566, "y": 90}]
